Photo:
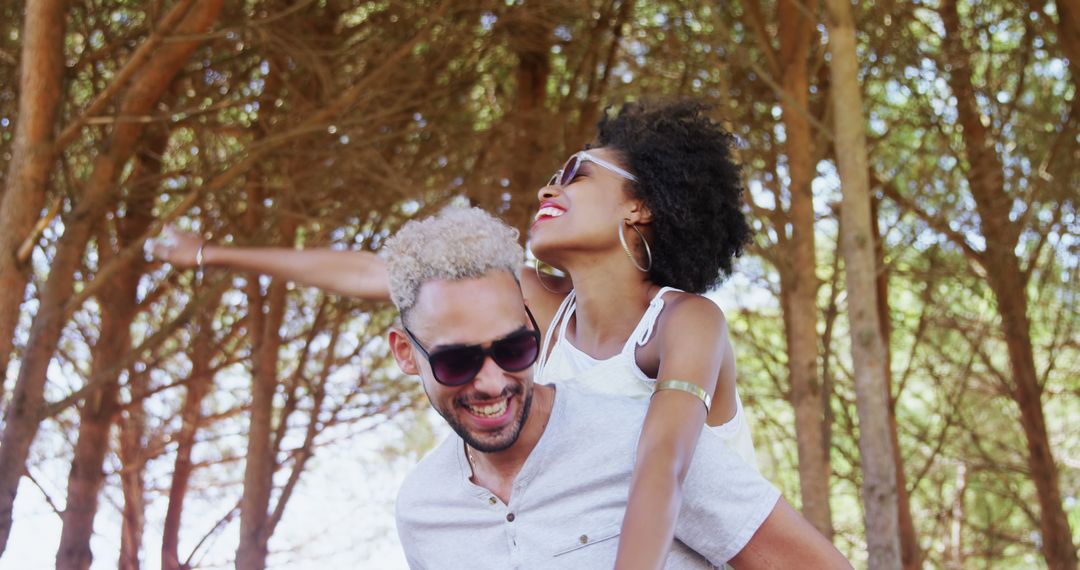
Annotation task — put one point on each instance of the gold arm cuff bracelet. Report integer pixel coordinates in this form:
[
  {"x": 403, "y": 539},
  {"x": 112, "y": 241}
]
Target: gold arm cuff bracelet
[{"x": 692, "y": 389}]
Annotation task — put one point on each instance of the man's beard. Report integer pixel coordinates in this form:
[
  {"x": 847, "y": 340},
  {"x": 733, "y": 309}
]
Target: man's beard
[{"x": 509, "y": 433}]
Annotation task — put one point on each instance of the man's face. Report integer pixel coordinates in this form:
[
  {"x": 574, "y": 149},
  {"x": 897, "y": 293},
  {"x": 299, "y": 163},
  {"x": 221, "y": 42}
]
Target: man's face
[{"x": 489, "y": 411}]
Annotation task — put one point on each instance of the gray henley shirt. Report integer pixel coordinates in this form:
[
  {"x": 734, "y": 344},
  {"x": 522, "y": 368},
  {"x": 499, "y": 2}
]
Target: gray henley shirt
[{"x": 568, "y": 501}]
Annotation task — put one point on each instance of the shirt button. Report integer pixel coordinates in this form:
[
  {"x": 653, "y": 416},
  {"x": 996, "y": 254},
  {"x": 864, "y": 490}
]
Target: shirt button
[
  {"x": 584, "y": 539},
  {"x": 491, "y": 500},
  {"x": 510, "y": 517}
]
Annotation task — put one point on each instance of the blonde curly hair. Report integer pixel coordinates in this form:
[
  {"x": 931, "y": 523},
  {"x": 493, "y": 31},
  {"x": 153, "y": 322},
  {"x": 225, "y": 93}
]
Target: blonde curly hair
[{"x": 457, "y": 243}]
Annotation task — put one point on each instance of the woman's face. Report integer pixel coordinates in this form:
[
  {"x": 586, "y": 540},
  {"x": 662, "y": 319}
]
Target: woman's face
[{"x": 583, "y": 215}]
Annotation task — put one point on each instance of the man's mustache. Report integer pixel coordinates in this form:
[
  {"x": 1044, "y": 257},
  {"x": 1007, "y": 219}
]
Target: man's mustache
[{"x": 513, "y": 390}]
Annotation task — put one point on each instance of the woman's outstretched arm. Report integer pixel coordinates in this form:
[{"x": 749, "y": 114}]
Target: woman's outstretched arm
[
  {"x": 358, "y": 274},
  {"x": 691, "y": 338}
]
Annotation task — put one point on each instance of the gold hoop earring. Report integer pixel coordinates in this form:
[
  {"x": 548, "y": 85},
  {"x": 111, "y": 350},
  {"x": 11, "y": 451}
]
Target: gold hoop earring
[
  {"x": 540, "y": 278},
  {"x": 626, "y": 248}
]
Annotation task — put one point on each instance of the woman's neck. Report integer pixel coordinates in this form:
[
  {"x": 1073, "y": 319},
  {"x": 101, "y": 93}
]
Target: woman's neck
[{"x": 611, "y": 296}]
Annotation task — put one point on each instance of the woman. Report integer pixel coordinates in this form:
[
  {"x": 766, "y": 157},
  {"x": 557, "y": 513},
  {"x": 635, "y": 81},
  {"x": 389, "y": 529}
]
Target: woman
[{"x": 642, "y": 225}]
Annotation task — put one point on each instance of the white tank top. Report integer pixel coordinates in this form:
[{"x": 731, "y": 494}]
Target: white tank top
[{"x": 566, "y": 364}]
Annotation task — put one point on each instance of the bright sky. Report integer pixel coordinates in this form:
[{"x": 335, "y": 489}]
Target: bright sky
[{"x": 340, "y": 517}]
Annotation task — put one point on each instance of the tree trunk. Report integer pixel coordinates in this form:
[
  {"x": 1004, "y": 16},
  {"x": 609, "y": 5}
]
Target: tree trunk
[
  {"x": 1009, "y": 291},
  {"x": 23, "y": 416},
  {"x": 799, "y": 281},
  {"x": 95, "y": 422},
  {"x": 100, "y": 407},
  {"x": 139, "y": 217},
  {"x": 910, "y": 553},
  {"x": 267, "y": 315},
  {"x": 132, "y": 484},
  {"x": 198, "y": 386},
  {"x": 41, "y": 72},
  {"x": 1069, "y": 36},
  {"x": 1008, "y": 282},
  {"x": 529, "y": 120},
  {"x": 868, "y": 351}
]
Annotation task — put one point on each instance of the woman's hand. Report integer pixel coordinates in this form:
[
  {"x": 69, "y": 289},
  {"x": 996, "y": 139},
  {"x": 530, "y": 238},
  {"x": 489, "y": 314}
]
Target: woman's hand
[{"x": 177, "y": 247}]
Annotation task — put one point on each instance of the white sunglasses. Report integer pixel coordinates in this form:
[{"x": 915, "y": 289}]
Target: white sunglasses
[{"x": 568, "y": 172}]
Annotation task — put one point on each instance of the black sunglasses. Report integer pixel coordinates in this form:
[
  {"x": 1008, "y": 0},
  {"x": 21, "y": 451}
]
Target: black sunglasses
[{"x": 458, "y": 365}]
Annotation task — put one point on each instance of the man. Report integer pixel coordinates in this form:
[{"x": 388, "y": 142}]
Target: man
[{"x": 537, "y": 476}]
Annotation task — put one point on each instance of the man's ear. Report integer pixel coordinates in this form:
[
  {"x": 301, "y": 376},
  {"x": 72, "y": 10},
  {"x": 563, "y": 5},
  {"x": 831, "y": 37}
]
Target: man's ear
[{"x": 403, "y": 351}]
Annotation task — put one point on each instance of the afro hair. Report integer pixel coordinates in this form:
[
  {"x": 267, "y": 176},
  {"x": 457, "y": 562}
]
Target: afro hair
[{"x": 691, "y": 185}]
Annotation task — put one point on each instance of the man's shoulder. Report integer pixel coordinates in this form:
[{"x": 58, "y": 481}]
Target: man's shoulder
[{"x": 431, "y": 473}]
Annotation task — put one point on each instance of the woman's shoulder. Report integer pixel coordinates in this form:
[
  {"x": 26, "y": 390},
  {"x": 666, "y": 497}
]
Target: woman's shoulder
[
  {"x": 686, "y": 323},
  {"x": 689, "y": 319},
  {"x": 686, "y": 309}
]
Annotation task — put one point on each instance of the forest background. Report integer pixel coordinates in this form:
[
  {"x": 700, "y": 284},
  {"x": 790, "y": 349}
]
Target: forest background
[{"x": 164, "y": 418}]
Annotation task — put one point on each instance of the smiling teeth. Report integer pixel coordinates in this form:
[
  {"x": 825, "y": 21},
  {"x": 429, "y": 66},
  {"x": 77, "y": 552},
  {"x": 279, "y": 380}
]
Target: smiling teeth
[
  {"x": 491, "y": 410},
  {"x": 549, "y": 212}
]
